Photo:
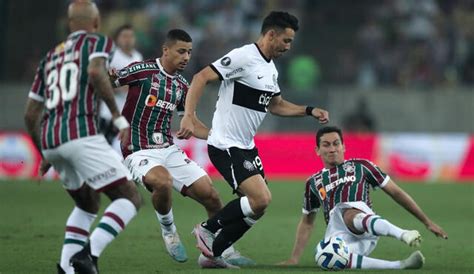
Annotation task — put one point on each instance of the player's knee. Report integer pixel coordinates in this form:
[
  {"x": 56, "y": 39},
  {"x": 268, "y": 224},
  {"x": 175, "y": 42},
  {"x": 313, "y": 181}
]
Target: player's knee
[
  {"x": 159, "y": 181},
  {"x": 260, "y": 203},
  {"x": 89, "y": 206},
  {"x": 131, "y": 193}
]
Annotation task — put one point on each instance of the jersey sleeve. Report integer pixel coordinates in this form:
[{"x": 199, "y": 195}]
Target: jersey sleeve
[
  {"x": 233, "y": 65},
  {"x": 375, "y": 176},
  {"x": 102, "y": 46},
  {"x": 37, "y": 91},
  {"x": 129, "y": 74},
  {"x": 180, "y": 106},
  {"x": 310, "y": 200}
]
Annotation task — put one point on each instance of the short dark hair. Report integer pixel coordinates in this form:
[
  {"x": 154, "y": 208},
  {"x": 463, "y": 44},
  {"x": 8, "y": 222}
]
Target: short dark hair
[
  {"x": 177, "y": 35},
  {"x": 281, "y": 20},
  {"x": 120, "y": 29},
  {"x": 328, "y": 129}
]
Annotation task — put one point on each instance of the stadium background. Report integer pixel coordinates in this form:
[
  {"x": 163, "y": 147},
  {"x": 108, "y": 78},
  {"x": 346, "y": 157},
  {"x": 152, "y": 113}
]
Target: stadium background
[{"x": 397, "y": 75}]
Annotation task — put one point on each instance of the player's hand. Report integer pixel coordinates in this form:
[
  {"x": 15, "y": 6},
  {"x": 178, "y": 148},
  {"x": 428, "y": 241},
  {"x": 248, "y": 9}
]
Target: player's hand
[
  {"x": 123, "y": 136},
  {"x": 186, "y": 129},
  {"x": 437, "y": 230},
  {"x": 290, "y": 261},
  {"x": 44, "y": 167},
  {"x": 321, "y": 114},
  {"x": 112, "y": 74}
]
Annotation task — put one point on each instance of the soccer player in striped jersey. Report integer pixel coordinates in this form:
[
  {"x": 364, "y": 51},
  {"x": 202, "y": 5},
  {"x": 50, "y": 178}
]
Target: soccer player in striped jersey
[
  {"x": 61, "y": 117},
  {"x": 156, "y": 90},
  {"x": 342, "y": 189}
]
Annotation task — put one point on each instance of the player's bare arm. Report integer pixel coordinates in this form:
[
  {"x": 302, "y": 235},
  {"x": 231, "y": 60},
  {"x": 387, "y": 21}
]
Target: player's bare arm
[
  {"x": 281, "y": 107},
  {"x": 201, "y": 131},
  {"x": 100, "y": 80},
  {"x": 33, "y": 114},
  {"x": 405, "y": 200},
  {"x": 303, "y": 233},
  {"x": 195, "y": 92}
]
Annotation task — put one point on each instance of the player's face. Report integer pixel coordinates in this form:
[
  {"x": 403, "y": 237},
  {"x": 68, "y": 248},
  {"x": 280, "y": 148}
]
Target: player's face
[
  {"x": 281, "y": 42},
  {"x": 126, "y": 39},
  {"x": 178, "y": 54},
  {"x": 331, "y": 149}
]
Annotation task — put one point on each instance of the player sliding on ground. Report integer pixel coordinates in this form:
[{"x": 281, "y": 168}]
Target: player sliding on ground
[{"x": 341, "y": 189}]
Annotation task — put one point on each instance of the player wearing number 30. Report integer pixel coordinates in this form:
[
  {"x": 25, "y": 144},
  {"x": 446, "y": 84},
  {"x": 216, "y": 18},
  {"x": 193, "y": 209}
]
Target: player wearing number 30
[{"x": 68, "y": 83}]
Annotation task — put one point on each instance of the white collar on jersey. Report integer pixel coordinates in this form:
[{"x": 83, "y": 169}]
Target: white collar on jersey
[
  {"x": 163, "y": 70},
  {"x": 76, "y": 32}
]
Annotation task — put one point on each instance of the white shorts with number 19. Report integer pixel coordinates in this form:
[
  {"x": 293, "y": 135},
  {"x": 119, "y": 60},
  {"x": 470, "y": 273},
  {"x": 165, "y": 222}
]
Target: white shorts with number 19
[{"x": 183, "y": 170}]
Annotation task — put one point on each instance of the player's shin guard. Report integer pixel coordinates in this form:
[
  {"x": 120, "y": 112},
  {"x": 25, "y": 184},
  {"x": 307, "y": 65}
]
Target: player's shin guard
[
  {"x": 77, "y": 231},
  {"x": 362, "y": 262},
  {"x": 230, "y": 234},
  {"x": 377, "y": 226},
  {"x": 117, "y": 215},
  {"x": 234, "y": 211}
]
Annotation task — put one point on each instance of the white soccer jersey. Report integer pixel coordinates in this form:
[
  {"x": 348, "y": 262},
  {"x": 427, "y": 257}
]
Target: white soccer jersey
[
  {"x": 119, "y": 61},
  {"x": 249, "y": 82}
]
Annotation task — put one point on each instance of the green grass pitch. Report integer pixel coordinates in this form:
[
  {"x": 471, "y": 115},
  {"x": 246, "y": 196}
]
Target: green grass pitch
[{"x": 32, "y": 219}]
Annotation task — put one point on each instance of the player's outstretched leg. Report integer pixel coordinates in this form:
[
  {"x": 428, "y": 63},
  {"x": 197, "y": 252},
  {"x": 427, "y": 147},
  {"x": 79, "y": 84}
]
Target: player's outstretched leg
[
  {"x": 173, "y": 243},
  {"x": 204, "y": 193},
  {"x": 160, "y": 182},
  {"x": 414, "y": 261},
  {"x": 125, "y": 202},
  {"x": 376, "y": 225},
  {"x": 78, "y": 225},
  {"x": 77, "y": 232}
]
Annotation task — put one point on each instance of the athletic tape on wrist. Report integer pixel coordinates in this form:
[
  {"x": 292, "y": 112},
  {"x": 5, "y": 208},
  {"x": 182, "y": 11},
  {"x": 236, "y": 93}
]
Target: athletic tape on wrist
[{"x": 121, "y": 123}]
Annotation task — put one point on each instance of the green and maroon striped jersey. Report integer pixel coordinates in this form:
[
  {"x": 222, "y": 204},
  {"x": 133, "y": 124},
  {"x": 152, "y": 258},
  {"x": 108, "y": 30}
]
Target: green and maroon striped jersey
[
  {"x": 152, "y": 97},
  {"x": 347, "y": 182},
  {"x": 62, "y": 83}
]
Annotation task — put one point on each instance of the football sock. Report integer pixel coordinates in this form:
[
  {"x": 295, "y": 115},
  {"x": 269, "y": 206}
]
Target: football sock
[
  {"x": 77, "y": 231},
  {"x": 166, "y": 222},
  {"x": 116, "y": 217},
  {"x": 377, "y": 226},
  {"x": 228, "y": 235},
  {"x": 363, "y": 262},
  {"x": 230, "y": 250},
  {"x": 234, "y": 211}
]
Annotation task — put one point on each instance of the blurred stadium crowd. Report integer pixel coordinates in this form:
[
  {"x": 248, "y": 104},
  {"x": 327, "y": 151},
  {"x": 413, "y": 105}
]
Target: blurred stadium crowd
[
  {"x": 403, "y": 43},
  {"x": 399, "y": 43}
]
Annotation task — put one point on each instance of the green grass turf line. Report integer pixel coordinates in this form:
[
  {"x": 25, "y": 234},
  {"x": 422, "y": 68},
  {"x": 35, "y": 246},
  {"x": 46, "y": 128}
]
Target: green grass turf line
[{"x": 33, "y": 216}]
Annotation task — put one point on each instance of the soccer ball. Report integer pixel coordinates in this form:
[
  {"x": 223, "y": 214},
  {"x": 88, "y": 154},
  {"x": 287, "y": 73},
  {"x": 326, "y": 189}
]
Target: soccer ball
[{"x": 332, "y": 254}]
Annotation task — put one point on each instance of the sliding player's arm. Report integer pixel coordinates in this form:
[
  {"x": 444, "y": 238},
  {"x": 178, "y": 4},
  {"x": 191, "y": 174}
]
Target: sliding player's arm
[{"x": 303, "y": 233}]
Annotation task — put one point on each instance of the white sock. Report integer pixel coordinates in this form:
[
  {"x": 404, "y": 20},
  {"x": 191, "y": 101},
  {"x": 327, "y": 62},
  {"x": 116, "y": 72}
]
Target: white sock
[
  {"x": 363, "y": 262},
  {"x": 377, "y": 226},
  {"x": 166, "y": 222},
  {"x": 117, "y": 215},
  {"x": 77, "y": 231}
]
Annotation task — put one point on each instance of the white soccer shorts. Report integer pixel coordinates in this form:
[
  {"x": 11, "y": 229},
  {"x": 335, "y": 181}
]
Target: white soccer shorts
[
  {"x": 362, "y": 244},
  {"x": 89, "y": 160},
  {"x": 183, "y": 170}
]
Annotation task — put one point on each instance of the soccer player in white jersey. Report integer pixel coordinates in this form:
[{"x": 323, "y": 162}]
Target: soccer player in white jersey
[
  {"x": 61, "y": 117},
  {"x": 124, "y": 55},
  {"x": 341, "y": 189},
  {"x": 249, "y": 89}
]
